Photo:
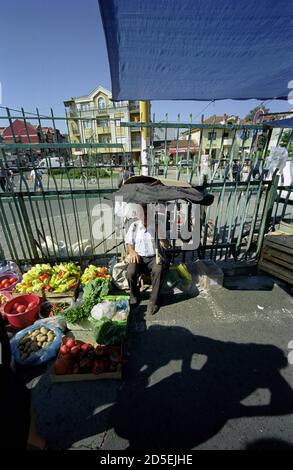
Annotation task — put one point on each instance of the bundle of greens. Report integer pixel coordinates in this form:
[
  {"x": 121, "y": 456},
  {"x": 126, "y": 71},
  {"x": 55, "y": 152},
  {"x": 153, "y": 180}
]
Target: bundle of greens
[
  {"x": 93, "y": 293},
  {"x": 109, "y": 332}
]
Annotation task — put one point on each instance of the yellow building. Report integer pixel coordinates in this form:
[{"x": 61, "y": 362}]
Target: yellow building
[
  {"x": 99, "y": 121},
  {"x": 219, "y": 143}
]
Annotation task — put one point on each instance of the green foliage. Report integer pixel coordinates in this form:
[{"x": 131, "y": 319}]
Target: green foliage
[
  {"x": 251, "y": 113},
  {"x": 76, "y": 173},
  {"x": 93, "y": 293},
  {"x": 287, "y": 141}
]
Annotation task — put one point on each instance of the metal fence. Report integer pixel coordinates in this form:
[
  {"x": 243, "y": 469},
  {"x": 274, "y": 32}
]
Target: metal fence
[{"x": 51, "y": 214}]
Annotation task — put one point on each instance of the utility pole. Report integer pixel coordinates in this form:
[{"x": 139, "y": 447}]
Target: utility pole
[{"x": 144, "y": 109}]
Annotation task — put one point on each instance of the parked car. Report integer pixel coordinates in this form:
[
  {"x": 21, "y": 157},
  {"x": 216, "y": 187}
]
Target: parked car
[
  {"x": 50, "y": 162},
  {"x": 184, "y": 164}
]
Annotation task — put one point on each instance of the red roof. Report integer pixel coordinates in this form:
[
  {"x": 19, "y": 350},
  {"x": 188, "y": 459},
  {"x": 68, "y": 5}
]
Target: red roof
[{"x": 24, "y": 133}]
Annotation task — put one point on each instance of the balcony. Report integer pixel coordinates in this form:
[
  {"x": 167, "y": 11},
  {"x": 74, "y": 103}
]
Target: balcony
[
  {"x": 103, "y": 130},
  {"x": 227, "y": 141},
  {"x": 134, "y": 108}
]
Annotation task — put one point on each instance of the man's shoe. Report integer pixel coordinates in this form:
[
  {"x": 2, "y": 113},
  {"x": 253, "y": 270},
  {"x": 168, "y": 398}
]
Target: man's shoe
[{"x": 152, "y": 309}]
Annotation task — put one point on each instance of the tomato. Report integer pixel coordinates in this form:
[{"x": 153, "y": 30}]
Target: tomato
[
  {"x": 6, "y": 285},
  {"x": 27, "y": 310},
  {"x": 12, "y": 280},
  {"x": 63, "y": 349},
  {"x": 70, "y": 343},
  {"x": 85, "y": 346},
  {"x": 17, "y": 304},
  {"x": 75, "y": 350},
  {"x": 21, "y": 309},
  {"x": 63, "y": 366},
  {"x": 31, "y": 305}
]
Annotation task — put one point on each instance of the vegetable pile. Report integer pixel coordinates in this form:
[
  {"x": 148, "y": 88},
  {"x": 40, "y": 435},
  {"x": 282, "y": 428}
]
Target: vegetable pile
[
  {"x": 93, "y": 293},
  {"x": 58, "y": 308},
  {"x": 78, "y": 357},
  {"x": 7, "y": 282},
  {"x": 64, "y": 278},
  {"x": 3, "y": 299},
  {"x": 22, "y": 307},
  {"x": 34, "y": 341},
  {"x": 35, "y": 279},
  {"x": 94, "y": 272}
]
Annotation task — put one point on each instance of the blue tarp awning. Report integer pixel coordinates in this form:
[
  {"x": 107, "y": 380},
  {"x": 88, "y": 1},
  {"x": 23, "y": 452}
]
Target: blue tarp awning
[
  {"x": 281, "y": 123},
  {"x": 199, "y": 49}
]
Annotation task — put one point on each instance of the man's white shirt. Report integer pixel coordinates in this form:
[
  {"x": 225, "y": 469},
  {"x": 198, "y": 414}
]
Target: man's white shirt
[{"x": 142, "y": 240}]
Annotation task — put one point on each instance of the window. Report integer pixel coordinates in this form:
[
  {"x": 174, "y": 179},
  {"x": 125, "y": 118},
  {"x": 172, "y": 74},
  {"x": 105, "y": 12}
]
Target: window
[
  {"x": 226, "y": 135},
  {"x": 212, "y": 135},
  {"x": 104, "y": 139},
  {"x": 87, "y": 123},
  {"x": 101, "y": 103},
  {"x": 85, "y": 106},
  {"x": 103, "y": 123}
]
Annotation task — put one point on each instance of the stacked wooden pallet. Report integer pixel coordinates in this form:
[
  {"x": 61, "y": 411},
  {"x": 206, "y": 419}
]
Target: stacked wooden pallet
[{"x": 277, "y": 256}]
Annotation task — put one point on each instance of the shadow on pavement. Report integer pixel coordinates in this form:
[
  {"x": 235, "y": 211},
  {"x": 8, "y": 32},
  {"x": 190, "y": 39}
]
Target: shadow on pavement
[{"x": 180, "y": 389}]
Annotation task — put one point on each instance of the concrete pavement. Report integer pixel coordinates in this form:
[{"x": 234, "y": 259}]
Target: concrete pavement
[{"x": 209, "y": 372}]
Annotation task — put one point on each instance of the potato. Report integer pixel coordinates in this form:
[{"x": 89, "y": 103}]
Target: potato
[
  {"x": 44, "y": 330},
  {"x": 35, "y": 333},
  {"x": 45, "y": 344},
  {"x": 24, "y": 355},
  {"x": 39, "y": 344}
]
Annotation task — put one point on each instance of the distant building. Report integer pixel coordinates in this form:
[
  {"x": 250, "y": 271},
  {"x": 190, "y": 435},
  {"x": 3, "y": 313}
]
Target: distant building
[
  {"x": 219, "y": 143},
  {"x": 24, "y": 133},
  {"x": 95, "y": 118}
]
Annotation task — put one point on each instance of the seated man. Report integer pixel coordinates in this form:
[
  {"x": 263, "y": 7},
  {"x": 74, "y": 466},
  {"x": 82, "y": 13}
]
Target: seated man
[{"x": 142, "y": 256}]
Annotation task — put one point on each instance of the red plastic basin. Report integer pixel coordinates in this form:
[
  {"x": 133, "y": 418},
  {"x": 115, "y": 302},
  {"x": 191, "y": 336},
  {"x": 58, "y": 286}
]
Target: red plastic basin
[{"x": 22, "y": 320}]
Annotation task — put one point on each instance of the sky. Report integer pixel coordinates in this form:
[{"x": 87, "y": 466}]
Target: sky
[{"x": 53, "y": 49}]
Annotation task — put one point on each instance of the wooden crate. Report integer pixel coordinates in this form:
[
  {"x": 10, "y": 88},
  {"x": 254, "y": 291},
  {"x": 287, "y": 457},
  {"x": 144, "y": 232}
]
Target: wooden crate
[
  {"x": 68, "y": 296},
  {"x": 277, "y": 256},
  {"x": 117, "y": 375},
  {"x": 86, "y": 336}
]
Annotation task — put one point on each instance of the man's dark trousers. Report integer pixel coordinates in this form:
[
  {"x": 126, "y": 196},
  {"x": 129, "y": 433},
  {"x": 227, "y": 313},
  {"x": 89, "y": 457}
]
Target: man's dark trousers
[{"x": 146, "y": 265}]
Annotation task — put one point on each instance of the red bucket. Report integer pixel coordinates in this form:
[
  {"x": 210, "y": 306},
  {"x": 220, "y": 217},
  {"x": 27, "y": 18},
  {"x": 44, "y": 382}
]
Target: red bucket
[{"x": 22, "y": 319}]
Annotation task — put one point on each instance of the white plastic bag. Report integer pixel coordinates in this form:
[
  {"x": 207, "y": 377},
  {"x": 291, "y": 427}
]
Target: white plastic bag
[{"x": 104, "y": 309}]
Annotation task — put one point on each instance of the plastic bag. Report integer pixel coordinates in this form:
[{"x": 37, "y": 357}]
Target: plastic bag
[
  {"x": 104, "y": 309},
  {"x": 57, "y": 321},
  {"x": 42, "y": 355},
  {"x": 122, "y": 306},
  {"x": 119, "y": 275}
]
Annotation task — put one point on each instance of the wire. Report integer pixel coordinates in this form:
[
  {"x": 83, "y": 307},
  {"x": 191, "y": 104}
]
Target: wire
[
  {"x": 212, "y": 101},
  {"x": 25, "y": 112}
]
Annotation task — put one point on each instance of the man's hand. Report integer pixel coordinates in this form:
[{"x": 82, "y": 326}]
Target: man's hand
[{"x": 133, "y": 257}]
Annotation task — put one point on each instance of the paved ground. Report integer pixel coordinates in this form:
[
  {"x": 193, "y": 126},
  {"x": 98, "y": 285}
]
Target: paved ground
[{"x": 209, "y": 372}]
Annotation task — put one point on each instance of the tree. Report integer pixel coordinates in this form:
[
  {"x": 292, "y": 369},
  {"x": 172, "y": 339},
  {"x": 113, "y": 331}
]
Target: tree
[
  {"x": 287, "y": 141},
  {"x": 251, "y": 114}
]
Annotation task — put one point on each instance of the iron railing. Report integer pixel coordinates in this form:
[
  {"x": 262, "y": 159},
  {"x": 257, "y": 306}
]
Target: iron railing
[{"x": 53, "y": 216}]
